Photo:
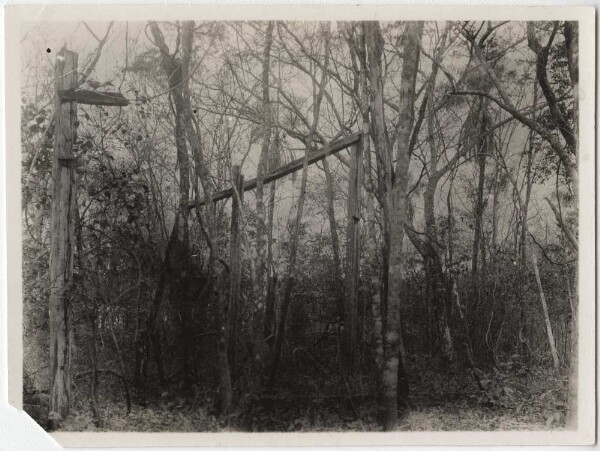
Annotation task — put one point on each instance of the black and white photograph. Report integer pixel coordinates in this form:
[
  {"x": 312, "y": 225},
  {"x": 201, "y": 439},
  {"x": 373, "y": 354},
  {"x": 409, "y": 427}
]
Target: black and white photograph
[{"x": 312, "y": 223}]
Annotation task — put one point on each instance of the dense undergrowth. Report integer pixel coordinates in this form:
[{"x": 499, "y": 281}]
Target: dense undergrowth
[{"x": 514, "y": 399}]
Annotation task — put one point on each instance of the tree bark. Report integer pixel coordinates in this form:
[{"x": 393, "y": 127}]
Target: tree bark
[
  {"x": 258, "y": 309},
  {"x": 395, "y": 201},
  {"x": 235, "y": 265},
  {"x": 335, "y": 239},
  {"x": 271, "y": 310},
  {"x": 176, "y": 71},
  {"x": 93, "y": 362},
  {"x": 352, "y": 256},
  {"x": 482, "y": 150},
  {"x": 563, "y": 226}
]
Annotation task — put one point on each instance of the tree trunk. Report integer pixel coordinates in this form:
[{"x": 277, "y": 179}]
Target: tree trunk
[
  {"x": 290, "y": 276},
  {"x": 153, "y": 323},
  {"x": 396, "y": 194},
  {"x": 271, "y": 308},
  {"x": 549, "y": 332},
  {"x": 569, "y": 235},
  {"x": 235, "y": 265},
  {"x": 62, "y": 240},
  {"x": 335, "y": 239},
  {"x": 258, "y": 309},
  {"x": 223, "y": 323},
  {"x": 571, "y": 32},
  {"x": 480, "y": 205},
  {"x": 352, "y": 256},
  {"x": 176, "y": 71},
  {"x": 93, "y": 363}
]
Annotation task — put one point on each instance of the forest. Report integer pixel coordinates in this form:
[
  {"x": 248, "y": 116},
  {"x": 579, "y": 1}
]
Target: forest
[{"x": 299, "y": 226}]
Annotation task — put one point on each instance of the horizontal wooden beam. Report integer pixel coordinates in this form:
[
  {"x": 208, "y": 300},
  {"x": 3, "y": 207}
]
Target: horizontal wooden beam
[
  {"x": 93, "y": 97},
  {"x": 287, "y": 169}
]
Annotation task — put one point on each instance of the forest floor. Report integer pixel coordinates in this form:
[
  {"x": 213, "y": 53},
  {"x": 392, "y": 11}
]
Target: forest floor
[{"x": 531, "y": 400}]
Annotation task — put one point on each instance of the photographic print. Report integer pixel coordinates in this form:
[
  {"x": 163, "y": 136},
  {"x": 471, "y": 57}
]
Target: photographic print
[{"x": 322, "y": 224}]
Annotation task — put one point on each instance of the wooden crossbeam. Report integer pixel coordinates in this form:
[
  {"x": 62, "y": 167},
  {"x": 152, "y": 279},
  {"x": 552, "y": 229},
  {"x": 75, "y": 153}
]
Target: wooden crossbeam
[
  {"x": 286, "y": 169},
  {"x": 93, "y": 97}
]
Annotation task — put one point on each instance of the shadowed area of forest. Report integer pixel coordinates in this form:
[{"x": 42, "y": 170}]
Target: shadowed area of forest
[{"x": 300, "y": 226}]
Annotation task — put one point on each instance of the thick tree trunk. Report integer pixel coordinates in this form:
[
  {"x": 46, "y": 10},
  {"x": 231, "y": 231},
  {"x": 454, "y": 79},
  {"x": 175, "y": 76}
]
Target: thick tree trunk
[
  {"x": 352, "y": 257},
  {"x": 176, "y": 71},
  {"x": 62, "y": 244},
  {"x": 258, "y": 308},
  {"x": 396, "y": 194},
  {"x": 376, "y": 285},
  {"x": 153, "y": 323}
]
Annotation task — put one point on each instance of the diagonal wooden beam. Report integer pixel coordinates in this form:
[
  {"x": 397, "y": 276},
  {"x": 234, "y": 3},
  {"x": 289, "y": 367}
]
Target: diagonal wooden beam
[{"x": 286, "y": 169}]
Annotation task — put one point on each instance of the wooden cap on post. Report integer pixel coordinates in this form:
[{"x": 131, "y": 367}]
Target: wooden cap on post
[{"x": 65, "y": 114}]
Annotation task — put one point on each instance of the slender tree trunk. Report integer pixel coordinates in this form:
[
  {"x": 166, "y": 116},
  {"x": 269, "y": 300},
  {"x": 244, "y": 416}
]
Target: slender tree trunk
[
  {"x": 549, "y": 332},
  {"x": 111, "y": 329},
  {"x": 317, "y": 97},
  {"x": 290, "y": 276},
  {"x": 335, "y": 239},
  {"x": 235, "y": 265},
  {"x": 524, "y": 208},
  {"x": 223, "y": 323},
  {"x": 572, "y": 41},
  {"x": 93, "y": 363},
  {"x": 569, "y": 235},
  {"x": 258, "y": 309},
  {"x": 271, "y": 296},
  {"x": 480, "y": 205},
  {"x": 153, "y": 323},
  {"x": 495, "y": 204}
]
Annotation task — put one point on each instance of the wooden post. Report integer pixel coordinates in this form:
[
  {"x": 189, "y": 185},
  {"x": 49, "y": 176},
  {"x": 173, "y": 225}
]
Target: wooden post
[
  {"x": 235, "y": 262},
  {"x": 62, "y": 225},
  {"x": 62, "y": 243},
  {"x": 352, "y": 254}
]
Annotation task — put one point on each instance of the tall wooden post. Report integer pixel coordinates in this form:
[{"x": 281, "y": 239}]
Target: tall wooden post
[
  {"x": 352, "y": 254},
  {"x": 235, "y": 262},
  {"x": 62, "y": 238}
]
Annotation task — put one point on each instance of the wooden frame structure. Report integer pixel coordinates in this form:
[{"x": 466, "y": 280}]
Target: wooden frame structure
[{"x": 356, "y": 142}]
